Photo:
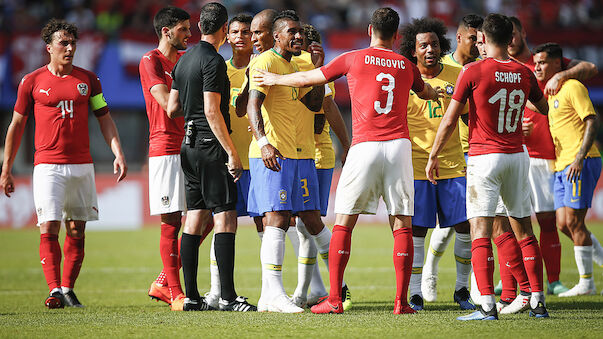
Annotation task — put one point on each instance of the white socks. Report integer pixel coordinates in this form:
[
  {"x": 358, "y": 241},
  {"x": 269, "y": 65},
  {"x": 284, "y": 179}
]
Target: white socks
[
  {"x": 535, "y": 298},
  {"x": 597, "y": 250},
  {"x": 440, "y": 238},
  {"x": 214, "y": 274},
  {"x": 462, "y": 256},
  {"x": 417, "y": 266},
  {"x": 488, "y": 302},
  {"x": 306, "y": 260},
  {"x": 272, "y": 254},
  {"x": 293, "y": 237},
  {"x": 584, "y": 261}
]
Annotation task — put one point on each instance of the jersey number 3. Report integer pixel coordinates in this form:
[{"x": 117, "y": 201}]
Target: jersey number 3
[
  {"x": 508, "y": 119},
  {"x": 389, "y": 88}
]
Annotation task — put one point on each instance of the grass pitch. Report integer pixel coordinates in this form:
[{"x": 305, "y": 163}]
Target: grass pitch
[{"x": 119, "y": 267}]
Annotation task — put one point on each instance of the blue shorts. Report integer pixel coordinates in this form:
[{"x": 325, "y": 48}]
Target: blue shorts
[
  {"x": 273, "y": 191},
  {"x": 446, "y": 200},
  {"x": 243, "y": 194},
  {"x": 325, "y": 175},
  {"x": 577, "y": 194},
  {"x": 308, "y": 188}
]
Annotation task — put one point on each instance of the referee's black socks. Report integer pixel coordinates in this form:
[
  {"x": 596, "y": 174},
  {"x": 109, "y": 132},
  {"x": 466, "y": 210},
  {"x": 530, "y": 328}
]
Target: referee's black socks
[
  {"x": 224, "y": 245},
  {"x": 189, "y": 254}
]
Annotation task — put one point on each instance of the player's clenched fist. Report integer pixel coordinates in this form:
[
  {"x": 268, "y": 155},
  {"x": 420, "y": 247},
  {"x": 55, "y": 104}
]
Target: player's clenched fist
[{"x": 7, "y": 184}]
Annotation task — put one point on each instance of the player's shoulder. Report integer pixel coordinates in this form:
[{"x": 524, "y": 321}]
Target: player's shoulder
[
  {"x": 151, "y": 55},
  {"x": 572, "y": 86},
  {"x": 90, "y": 74},
  {"x": 449, "y": 69}
]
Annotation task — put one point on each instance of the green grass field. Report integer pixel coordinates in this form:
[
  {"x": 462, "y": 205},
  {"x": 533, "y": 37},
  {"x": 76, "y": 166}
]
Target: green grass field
[{"x": 120, "y": 266}]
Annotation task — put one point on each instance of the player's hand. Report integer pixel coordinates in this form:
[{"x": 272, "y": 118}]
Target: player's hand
[
  {"x": 235, "y": 168},
  {"x": 439, "y": 93},
  {"x": 120, "y": 166},
  {"x": 264, "y": 78},
  {"x": 527, "y": 127},
  {"x": 318, "y": 54},
  {"x": 433, "y": 165},
  {"x": 553, "y": 85},
  {"x": 7, "y": 183},
  {"x": 574, "y": 170},
  {"x": 270, "y": 155}
]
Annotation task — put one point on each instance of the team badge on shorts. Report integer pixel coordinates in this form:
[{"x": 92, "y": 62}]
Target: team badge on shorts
[
  {"x": 39, "y": 212},
  {"x": 282, "y": 194},
  {"x": 449, "y": 89},
  {"x": 82, "y": 88},
  {"x": 165, "y": 200}
]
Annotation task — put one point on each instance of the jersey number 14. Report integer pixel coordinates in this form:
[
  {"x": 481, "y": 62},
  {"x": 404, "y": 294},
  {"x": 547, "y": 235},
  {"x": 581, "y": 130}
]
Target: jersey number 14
[
  {"x": 508, "y": 119},
  {"x": 66, "y": 107}
]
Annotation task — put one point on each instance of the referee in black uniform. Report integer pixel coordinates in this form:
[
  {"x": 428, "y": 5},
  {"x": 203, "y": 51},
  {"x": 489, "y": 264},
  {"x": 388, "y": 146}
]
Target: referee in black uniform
[{"x": 211, "y": 165}]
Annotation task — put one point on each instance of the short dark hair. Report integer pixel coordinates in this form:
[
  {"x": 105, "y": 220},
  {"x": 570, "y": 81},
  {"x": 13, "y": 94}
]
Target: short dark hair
[
  {"x": 242, "y": 18},
  {"x": 499, "y": 29},
  {"x": 516, "y": 22},
  {"x": 423, "y": 25},
  {"x": 385, "y": 22},
  {"x": 551, "y": 49},
  {"x": 288, "y": 14},
  {"x": 471, "y": 21},
  {"x": 55, "y": 25},
  {"x": 312, "y": 34},
  {"x": 169, "y": 17},
  {"x": 213, "y": 16}
]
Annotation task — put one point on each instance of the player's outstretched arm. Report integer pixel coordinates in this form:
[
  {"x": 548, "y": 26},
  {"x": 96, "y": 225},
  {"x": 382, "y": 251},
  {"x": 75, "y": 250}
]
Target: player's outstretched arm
[
  {"x": 447, "y": 126},
  {"x": 542, "y": 106},
  {"x": 335, "y": 119},
  {"x": 298, "y": 79},
  {"x": 430, "y": 93},
  {"x": 313, "y": 99},
  {"x": 11, "y": 146},
  {"x": 211, "y": 107},
  {"x": 590, "y": 132},
  {"x": 109, "y": 131},
  {"x": 242, "y": 98},
  {"x": 174, "y": 109},
  {"x": 576, "y": 69},
  {"x": 256, "y": 122}
]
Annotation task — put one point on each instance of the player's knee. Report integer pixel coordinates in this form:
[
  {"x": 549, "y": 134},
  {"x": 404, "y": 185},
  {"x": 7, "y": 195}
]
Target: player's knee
[
  {"x": 419, "y": 231},
  {"x": 170, "y": 231}
]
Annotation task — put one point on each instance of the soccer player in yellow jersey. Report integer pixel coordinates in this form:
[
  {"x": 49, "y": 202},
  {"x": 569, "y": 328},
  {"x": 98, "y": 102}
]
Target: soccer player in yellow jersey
[
  {"x": 424, "y": 42},
  {"x": 573, "y": 123},
  {"x": 274, "y": 190}
]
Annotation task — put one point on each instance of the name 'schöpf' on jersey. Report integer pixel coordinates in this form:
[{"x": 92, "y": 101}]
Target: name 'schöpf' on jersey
[{"x": 508, "y": 77}]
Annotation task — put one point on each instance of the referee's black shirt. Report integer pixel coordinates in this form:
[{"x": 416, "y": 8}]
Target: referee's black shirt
[{"x": 201, "y": 69}]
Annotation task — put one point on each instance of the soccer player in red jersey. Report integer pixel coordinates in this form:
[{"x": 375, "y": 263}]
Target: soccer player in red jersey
[
  {"x": 60, "y": 95},
  {"x": 166, "y": 182},
  {"x": 497, "y": 164},
  {"x": 378, "y": 163}
]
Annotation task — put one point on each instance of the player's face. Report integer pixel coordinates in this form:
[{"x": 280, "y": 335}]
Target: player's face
[
  {"x": 481, "y": 44},
  {"x": 290, "y": 37},
  {"x": 239, "y": 37},
  {"x": 427, "y": 49},
  {"x": 545, "y": 67},
  {"x": 261, "y": 35},
  {"x": 466, "y": 42},
  {"x": 62, "y": 48},
  {"x": 179, "y": 34},
  {"x": 517, "y": 44}
]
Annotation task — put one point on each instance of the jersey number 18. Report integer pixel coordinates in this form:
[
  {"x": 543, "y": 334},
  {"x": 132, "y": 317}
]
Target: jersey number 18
[{"x": 509, "y": 119}]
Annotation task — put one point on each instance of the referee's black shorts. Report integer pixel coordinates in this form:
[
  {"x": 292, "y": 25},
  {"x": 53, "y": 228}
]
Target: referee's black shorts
[{"x": 208, "y": 185}]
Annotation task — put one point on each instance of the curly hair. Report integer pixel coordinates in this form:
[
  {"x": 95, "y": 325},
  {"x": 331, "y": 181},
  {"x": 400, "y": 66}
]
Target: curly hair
[
  {"x": 55, "y": 25},
  {"x": 423, "y": 25},
  {"x": 311, "y": 33}
]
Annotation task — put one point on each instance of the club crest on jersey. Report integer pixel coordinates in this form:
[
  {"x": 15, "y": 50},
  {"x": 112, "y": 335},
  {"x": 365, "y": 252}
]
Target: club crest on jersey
[
  {"x": 556, "y": 103},
  {"x": 282, "y": 194},
  {"x": 449, "y": 89},
  {"x": 82, "y": 88},
  {"x": 165, "y": 200}
]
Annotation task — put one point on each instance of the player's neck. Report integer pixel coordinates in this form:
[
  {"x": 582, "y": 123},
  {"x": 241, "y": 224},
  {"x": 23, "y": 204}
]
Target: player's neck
[
  {"x": 212, "y": 40},
  {"x": 497, "y": 52},
  {"x": 430, "y": 72},
  {"x": 59, "y": 70},
  {"x": 241, "y": 60},
  {"x": 378, "y": 43},
  {"x": 525, "y": 57},
  {"x": 168, "y": 51},
  {"x": 282, "y": 52},
  {"x": 462, "y": 59}
]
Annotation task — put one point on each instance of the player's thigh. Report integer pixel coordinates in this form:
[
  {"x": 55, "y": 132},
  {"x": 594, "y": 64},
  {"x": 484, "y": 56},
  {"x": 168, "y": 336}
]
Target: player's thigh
[
  {"x": 307, "y": 196},
  {"x": 166, "y": 185},
  {"x": 360, "y": 180},
  {"x": 49, "y": 187},
  {"x": 515, "y": 187},
  {"x": 483, "y": 185},
  {"x": 217, "y": 184},
  {"x": 425, "y": 204},
  {"x": 325, "y": 176},
  {"x": 80, "y": 197},
  {"x": 243, "y": 193},
  {"x": 269, "y": 190},
  {"x": 541, "y": 179},
  {"x": 578, "y": 194},
  {"x": 192, "y": 183},
  {"x": 398, "y": 178},
  {"x": 451, "y": 197}
]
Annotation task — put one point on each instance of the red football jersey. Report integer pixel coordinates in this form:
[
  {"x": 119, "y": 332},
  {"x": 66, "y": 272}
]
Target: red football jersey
[
  {"x": 497, "y": 92},
  {"x": 540, "y": 143},
  {"x": 60, "y": 107},
  {"x": 165, "y": 134},
  {"x": 379, "y": 81}
]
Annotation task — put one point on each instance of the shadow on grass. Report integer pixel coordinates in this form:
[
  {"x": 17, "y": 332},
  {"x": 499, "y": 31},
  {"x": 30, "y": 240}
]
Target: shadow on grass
[
  {"x": 572, "y": 304},
  {"x": 386, "y": 305}
]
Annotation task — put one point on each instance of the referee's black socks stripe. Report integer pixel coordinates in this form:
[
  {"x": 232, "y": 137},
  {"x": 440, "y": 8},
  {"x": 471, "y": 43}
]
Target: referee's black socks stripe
[
  {"x": 189, "y": 254},
  {"x": 224, "y": 246}
]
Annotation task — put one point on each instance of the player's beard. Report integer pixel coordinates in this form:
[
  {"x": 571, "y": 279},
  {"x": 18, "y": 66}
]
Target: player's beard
[{"x": 519, "y": 48}]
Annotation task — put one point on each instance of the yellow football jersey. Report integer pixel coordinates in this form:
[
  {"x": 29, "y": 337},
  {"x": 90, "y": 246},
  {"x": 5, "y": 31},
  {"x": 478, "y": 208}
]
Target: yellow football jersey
[
  {"x": 241, "y": 136},
  {"x": 567, "y": 111},
  {"x": 280, "y": 109},
  {"x": 305, "y": 117},
  {"x": 325, "y": 153},
  {"x": 424, "y": 117}
]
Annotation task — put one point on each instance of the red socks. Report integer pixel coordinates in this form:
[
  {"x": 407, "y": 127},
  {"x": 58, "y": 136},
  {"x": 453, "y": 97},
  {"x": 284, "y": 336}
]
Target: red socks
[
  {"x": 73, "y": 248},
  {"x": 339, "y": 254},
  {"x": 403, "y": 257},
  {"x": 482, "y": 260},
  {"x": 550, "y": 247},
  {"x": 509, "y": 255},
  {"x": 532, "y": 260},
  {"x": 168, "y": 248},
  {"x": 50, "y": 257}
]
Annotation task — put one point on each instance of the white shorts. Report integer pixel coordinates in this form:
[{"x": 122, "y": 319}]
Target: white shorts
[
  {"x": 166, "y": 185},
  {"x": 541, "y": 177},
  {"x": 64, "y": 192},
  {"x": 376, "y": 169},
  {"x": 492, "y": 175}
]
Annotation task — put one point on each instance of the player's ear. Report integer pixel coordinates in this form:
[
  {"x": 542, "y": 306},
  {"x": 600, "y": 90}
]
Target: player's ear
[
  {"x": 165, "y": 31},
  {"x": 48, "y": 48},
  {"x": 370, "y": 30}
]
